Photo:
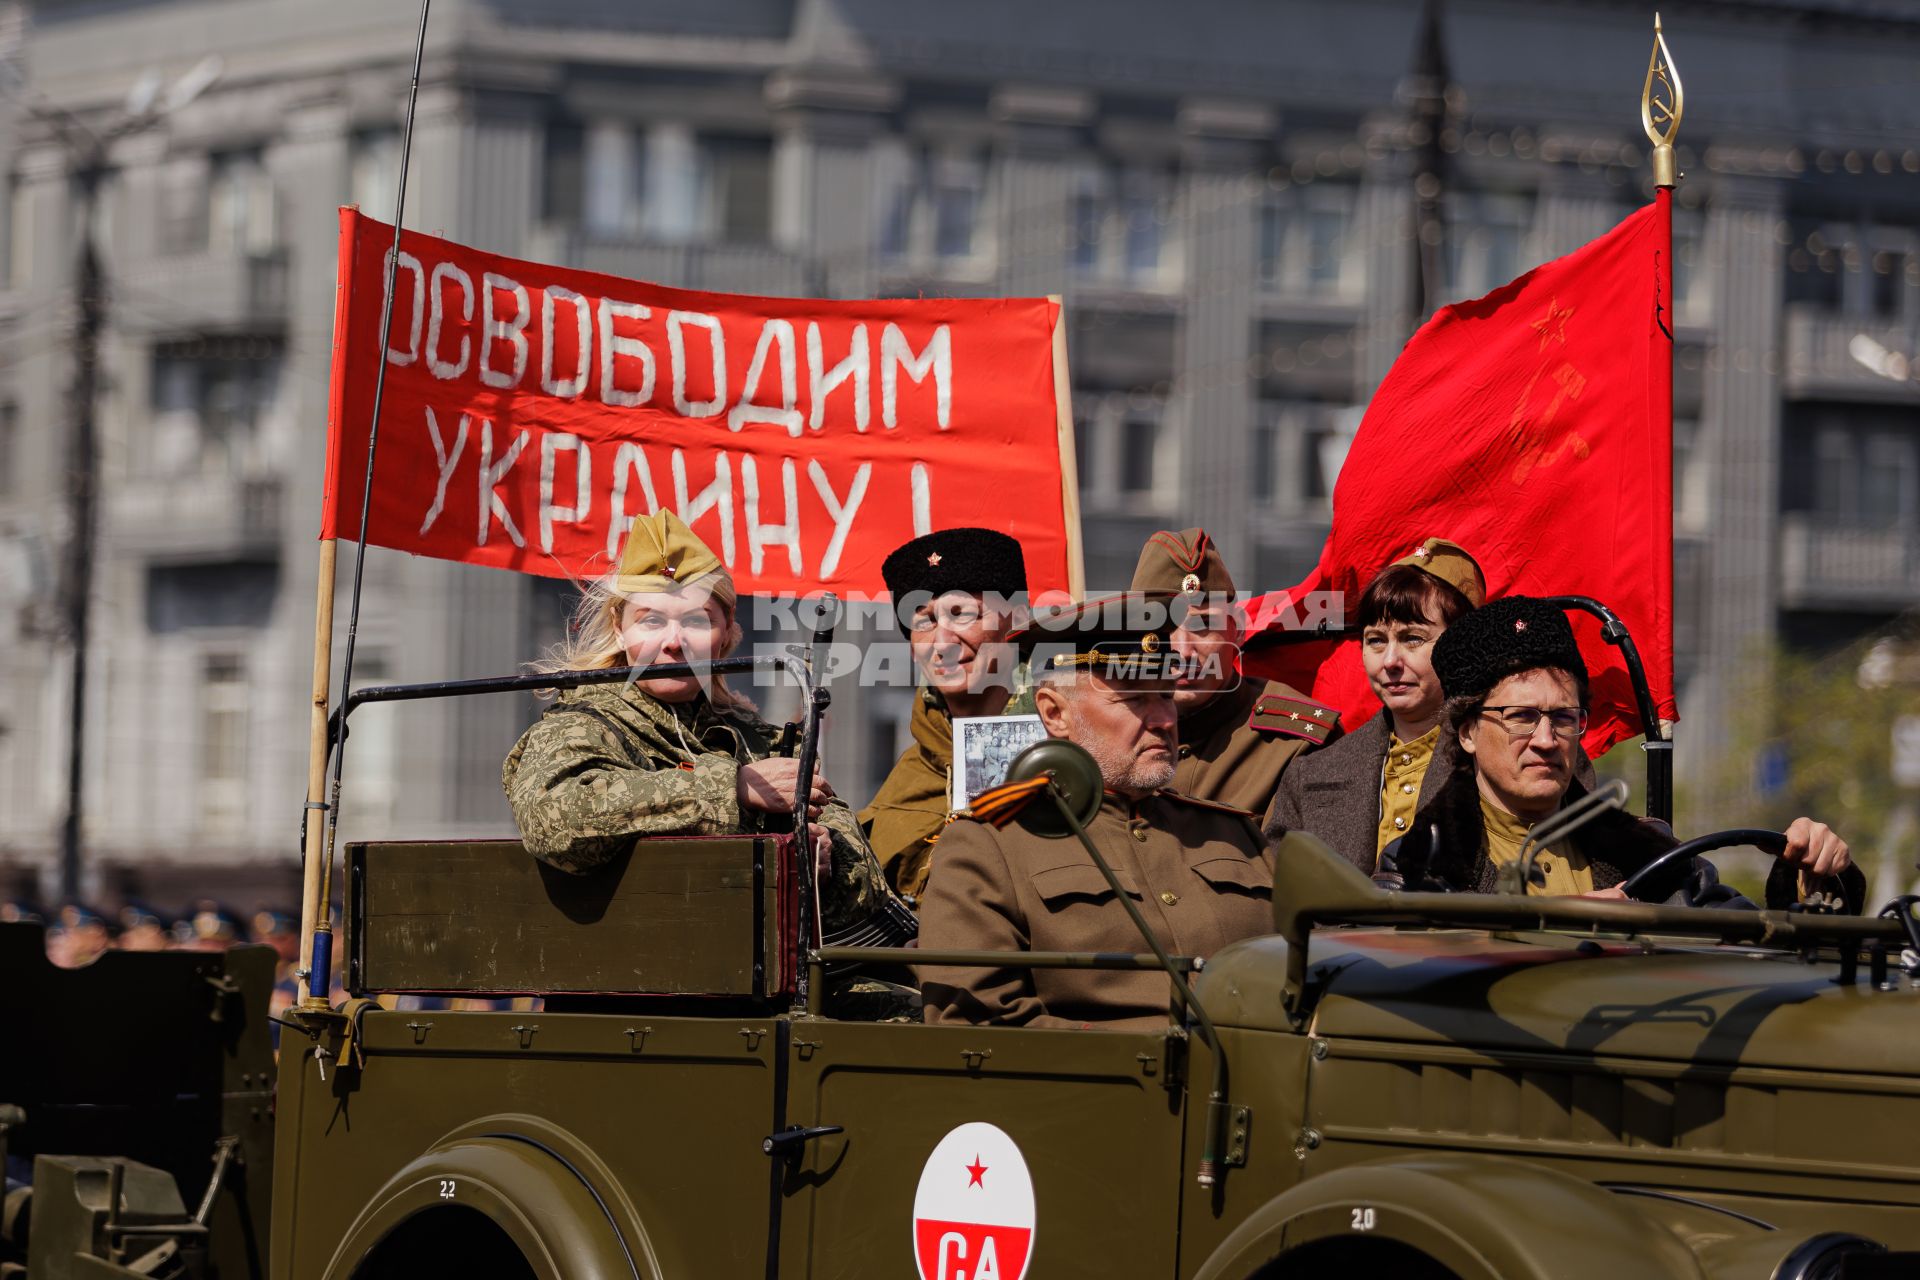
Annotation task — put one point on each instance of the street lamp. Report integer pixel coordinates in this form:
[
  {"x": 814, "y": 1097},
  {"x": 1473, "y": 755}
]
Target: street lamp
[{"x": 147, "y": 103}]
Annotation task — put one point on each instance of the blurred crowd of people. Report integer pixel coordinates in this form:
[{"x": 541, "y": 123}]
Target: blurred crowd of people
[{"x": 78, "y": 933}]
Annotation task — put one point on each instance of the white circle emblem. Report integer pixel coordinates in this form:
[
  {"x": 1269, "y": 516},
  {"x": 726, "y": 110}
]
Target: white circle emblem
[{"x": 973, "y": 1215}]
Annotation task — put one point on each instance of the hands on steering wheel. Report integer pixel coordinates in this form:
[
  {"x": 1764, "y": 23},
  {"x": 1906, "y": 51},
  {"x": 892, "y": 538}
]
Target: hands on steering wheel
[{"x": 1812, "y": 845}]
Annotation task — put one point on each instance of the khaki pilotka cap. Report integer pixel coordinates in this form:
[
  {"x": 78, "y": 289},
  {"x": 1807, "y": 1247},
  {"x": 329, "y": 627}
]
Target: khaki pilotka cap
[
  {"x": 1449, "y": 562},
  {"x": 662, "y": 554},
  {"x": 1184, "y": 563}
]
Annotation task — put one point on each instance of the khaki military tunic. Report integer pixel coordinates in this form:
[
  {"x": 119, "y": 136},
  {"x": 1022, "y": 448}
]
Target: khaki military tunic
[
  {"x": 1234, "y": 748},
  {"x": 1198, "y": 872},
  {"x": 606, "y": 764}
]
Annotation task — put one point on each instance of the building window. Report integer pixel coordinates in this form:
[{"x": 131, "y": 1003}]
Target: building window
[
  {"x": 614, "y": 180},
  {"x": 737, "y": 188},
  {"x": 211, "y": 397},
  {"x": 1692, "y": 280},
  {"x": 1120, "y": 221},
  {"x": 19, "y": 242},
  {"x": 1083, "y": 444},
  {"x": 373, "y": 170},
  {"x": 931, "y": 207},
  {"x": 1858, "y": 269},
  {"x": 1139, "y": 453},
  {"x": 183, "y": 206},
  {"x": 370, "y": 768},
  {"x": 1487, "y": 242},
  {"x": 1307, "y": 243},
  {"x": 223, "y": 740},
  {"x": 241, "y": 204},
  {"x": 9, "y": 450},
  {"x": 1261, "y": 486}
]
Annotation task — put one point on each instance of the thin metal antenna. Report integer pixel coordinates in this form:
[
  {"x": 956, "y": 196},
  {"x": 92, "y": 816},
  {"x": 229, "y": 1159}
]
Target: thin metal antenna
[{"x": 322, "y": 958}]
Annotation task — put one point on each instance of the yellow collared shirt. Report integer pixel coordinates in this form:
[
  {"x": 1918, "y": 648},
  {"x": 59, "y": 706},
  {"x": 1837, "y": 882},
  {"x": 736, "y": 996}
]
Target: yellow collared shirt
[
  {"x": 1400, "y": 777},
  {"x": 1565, "y": 867}
]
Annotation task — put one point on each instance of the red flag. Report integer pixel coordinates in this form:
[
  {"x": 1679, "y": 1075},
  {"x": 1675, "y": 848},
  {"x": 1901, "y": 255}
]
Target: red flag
[{"x": 1534, "y": 427}]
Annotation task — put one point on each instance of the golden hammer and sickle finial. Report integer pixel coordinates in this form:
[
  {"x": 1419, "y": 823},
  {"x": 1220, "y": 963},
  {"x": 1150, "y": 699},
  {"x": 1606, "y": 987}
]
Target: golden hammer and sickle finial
[{"x": 1661, "y": 107}]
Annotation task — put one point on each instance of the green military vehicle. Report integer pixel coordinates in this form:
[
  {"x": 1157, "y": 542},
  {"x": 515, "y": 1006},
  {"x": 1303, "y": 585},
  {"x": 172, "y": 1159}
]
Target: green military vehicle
[
  {"x": 136, "y": 1113},
  {"x": 1400, "y": 1084}
]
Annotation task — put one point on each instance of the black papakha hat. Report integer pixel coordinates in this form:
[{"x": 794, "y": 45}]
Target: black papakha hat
[
  {"x": 1124, "y": 637},
  {"x": 1503, "y": 638},
  {"x": 981, "y": 561}
]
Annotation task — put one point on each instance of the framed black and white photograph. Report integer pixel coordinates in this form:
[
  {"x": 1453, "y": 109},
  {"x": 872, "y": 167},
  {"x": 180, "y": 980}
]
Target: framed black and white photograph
[{"x": 983, "y": 750}]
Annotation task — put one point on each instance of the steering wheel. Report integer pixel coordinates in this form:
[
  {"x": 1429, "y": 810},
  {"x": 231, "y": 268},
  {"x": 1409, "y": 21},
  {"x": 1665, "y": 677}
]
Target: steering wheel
[{"x": 1766, "y": 841}]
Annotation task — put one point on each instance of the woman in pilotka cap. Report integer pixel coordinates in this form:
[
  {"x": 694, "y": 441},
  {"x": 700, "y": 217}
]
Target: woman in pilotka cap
[
  {"x": 667, "y": 755},
  {"x": 1359, "y": 793}
]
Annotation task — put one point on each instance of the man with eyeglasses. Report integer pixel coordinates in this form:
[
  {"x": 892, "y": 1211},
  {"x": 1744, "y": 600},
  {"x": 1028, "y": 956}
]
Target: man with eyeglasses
[
  {"x": 1516, "y": 705},
  {"x": 1236, "y": 736},
  {"x": 958, "y": 594}
]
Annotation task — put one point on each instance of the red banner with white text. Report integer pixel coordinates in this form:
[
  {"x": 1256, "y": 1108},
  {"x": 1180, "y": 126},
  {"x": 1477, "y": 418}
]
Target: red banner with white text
[{"x": 531, "y": 411}]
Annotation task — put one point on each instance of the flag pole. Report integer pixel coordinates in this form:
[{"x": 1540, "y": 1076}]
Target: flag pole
[
  {"x": 1661, "y": 102},
  {"x": 323, "y": 810}
]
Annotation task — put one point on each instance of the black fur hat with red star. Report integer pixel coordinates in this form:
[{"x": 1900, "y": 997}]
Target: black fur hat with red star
[
  {"x": 980, "y": 561},
  {"x": 1503, "y": 638}
]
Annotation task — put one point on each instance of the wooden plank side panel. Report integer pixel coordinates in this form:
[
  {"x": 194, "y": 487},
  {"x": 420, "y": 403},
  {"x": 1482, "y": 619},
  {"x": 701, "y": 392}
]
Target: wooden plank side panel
[{"x": 676, "y": 916}]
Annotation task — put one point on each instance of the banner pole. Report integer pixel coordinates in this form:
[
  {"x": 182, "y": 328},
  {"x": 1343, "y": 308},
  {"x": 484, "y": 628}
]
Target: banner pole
[
  {"x": 1662, "y": 100},
  {"x": 320, "y": 940},
  {"x": 1069, "y": 459},
  {"x": 313, "y": 820}
]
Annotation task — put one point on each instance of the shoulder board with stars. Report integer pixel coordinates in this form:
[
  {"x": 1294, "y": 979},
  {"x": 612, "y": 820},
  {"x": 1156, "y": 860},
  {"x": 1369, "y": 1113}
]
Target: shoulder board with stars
[
  {"x": 1215, "y": 805},
  {"x": 1294, "y": 717}
]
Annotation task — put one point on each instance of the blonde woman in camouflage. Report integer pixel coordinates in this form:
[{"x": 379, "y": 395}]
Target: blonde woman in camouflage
[{"x": 606, "y": 764}]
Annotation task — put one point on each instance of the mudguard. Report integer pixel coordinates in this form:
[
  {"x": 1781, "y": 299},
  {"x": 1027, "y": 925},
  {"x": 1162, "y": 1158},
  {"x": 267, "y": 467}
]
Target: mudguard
[
  {"x": 1483, "y": 1217},
  {"x": 547, "y": 1191}
]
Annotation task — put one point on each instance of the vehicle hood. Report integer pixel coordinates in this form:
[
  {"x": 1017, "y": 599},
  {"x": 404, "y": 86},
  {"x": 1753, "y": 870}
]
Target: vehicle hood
[{"x": 1553, "y": 993}]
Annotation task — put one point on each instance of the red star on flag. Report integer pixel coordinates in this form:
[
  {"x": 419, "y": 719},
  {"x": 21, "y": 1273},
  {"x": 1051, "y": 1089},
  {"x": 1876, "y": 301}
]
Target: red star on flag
[
  {"x": 976, "y": 1171},
  {"x": 1552, "y": 327}
]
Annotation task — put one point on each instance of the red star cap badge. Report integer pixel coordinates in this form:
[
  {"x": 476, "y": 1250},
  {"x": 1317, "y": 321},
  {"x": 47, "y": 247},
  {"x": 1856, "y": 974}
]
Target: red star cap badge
[
  {"x": 934, "y": 560},
  {"x": 1519, "y": 624},
  {"x": 975, "y": 1172}
]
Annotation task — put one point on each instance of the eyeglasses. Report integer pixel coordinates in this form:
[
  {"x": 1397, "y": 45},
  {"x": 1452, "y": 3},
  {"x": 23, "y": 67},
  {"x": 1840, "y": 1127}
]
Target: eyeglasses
[{"x": 1521, "y": 722}]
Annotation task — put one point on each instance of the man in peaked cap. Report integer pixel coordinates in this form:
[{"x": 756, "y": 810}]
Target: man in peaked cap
[
  {"x": 1236, "y": 737},
  {"x": 958, "y": 594},
  {"x": 1517, "y": 694},
  {"x": 1106, "y": 678}
]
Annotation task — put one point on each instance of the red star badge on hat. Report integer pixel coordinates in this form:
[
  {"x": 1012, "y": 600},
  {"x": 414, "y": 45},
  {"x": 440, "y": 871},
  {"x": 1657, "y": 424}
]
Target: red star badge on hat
[
  {"x": 1519, "y": 624},
  {"x": 934, "y": 559}
]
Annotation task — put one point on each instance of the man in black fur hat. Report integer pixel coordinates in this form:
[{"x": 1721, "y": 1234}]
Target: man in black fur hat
[
  {"x": 1516, "y": 690},
  {"x": 959, "y": 594}
]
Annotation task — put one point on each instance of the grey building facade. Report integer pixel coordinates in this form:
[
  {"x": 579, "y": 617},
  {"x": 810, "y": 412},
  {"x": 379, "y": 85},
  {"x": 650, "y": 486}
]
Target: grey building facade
[{"x": 1221, "y": 191}]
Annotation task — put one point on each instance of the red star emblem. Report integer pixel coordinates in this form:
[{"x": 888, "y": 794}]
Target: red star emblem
[
  {"x": 975, "y": 1172},
  {"x": 1519, "y": 624},
  {"x": 1552, "y": 327},
  {"x": 934, "y": 560}
]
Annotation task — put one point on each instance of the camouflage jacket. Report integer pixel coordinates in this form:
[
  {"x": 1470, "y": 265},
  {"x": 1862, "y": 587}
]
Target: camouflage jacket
[{"x": 608, "y": 763}]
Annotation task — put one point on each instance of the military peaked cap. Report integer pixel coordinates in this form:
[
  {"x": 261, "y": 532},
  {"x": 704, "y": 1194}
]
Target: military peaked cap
[
  {"x": 1503, "y": 638},
  {"x": 1125, "y": 637}
]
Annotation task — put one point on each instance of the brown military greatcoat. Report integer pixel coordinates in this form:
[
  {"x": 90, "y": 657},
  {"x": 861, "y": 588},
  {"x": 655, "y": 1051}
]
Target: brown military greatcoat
[
  {"x": 1198, "y": 872},
  {"x": 1234, "y": 748}
]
